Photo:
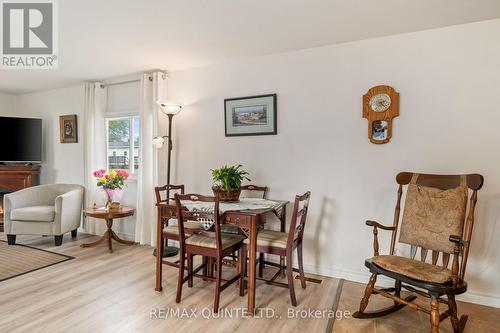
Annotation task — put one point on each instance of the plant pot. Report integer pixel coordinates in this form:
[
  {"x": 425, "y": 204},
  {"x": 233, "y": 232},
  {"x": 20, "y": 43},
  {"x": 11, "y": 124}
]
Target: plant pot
[{"x": 231, "y": 195}]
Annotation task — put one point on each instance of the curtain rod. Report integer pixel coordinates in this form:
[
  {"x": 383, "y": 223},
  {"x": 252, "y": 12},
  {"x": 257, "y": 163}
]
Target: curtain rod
[
  {"x": 120, "y": 83},
  {"x": 164, "y": 76}
]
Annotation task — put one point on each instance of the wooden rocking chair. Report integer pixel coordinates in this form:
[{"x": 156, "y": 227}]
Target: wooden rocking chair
[{"x": 433, "y": 219}]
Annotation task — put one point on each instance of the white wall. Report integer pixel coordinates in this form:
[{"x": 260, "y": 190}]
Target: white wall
[
  {"x": 7, "y": 104},
  {"x": 62, "y": 162},
  {"x": 449, "y": 81}
]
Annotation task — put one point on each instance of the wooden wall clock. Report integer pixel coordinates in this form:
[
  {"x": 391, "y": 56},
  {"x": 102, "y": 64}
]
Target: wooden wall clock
[{"x": 380, "y": 107}]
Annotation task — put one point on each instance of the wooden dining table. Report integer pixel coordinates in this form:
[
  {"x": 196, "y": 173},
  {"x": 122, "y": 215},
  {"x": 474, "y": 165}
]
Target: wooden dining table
[{"x": 250, "y": 221}]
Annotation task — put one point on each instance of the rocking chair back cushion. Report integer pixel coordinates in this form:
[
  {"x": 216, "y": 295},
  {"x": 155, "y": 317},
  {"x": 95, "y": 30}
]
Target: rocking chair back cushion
[{"x": 432, "y": 214}]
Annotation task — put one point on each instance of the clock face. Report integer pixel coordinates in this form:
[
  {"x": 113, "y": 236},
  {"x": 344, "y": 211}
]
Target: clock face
[{"x": 380, "y": 102}]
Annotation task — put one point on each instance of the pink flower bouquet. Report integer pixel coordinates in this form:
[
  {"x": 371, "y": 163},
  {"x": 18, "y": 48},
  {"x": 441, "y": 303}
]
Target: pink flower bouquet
[{"x": 112, "y": 182}]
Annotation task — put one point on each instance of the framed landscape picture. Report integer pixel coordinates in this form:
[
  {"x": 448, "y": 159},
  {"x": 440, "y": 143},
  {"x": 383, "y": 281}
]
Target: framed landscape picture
[
  {"x": 68, "y": 129},
  {"x": 253, "y": 115}
]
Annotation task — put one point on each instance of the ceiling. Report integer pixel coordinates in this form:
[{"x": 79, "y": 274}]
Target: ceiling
[{"x": 105, "y": 39}]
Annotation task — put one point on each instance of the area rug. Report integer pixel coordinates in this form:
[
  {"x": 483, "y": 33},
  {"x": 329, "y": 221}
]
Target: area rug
[{"x": 20, "y": 259}]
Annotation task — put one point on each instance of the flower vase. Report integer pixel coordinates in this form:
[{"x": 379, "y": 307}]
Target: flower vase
[{"x": 113, "y": 197}]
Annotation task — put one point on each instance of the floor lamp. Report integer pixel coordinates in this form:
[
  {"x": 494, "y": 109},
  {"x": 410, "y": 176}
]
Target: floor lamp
[{"x": 170, "y": 109}]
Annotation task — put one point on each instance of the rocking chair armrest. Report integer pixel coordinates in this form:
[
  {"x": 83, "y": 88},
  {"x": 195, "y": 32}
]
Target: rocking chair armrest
[
  {"x": 375, "y": 224},
  {"x": 455, "y": 269},
  {"x": 457, "y": 240}
]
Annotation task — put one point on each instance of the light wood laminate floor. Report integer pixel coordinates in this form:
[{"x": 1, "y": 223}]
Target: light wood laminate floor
[{"x": 100, "y": 291}]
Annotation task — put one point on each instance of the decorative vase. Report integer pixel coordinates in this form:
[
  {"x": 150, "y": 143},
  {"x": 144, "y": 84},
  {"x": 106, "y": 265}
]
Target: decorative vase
[
  {"x": 113, "y": 197},
  {"x": 231, "y": 195}
]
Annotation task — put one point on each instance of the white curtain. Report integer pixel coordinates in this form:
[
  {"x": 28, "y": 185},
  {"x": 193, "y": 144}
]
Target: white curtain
[
  {"x": 95, "y": 147},
  {"x": 153, "y": 88}
]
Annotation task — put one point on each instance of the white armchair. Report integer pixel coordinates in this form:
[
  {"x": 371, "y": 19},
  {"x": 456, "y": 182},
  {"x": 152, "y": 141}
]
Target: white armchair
[{"x": 51, "y": 210}]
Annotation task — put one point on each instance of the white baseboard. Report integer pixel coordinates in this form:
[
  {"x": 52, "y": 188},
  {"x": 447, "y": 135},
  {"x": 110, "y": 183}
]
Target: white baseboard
[
  {"x": 480, "y": 298},
  {"x": 362, "y": 277}
]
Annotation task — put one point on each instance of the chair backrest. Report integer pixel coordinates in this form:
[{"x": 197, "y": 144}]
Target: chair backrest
[
  {"x": 46, "y": 194},
  {"x": 184, "y": 215},
  {"x": 299, "y": 216},
  {"x": 435, "y": 209},
  {"x": 164, "y": 193},
  {"x": 256, "y": 189}
]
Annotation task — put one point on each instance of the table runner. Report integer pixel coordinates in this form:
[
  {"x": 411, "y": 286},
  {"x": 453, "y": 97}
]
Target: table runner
[{"x": 243, "y": 204}]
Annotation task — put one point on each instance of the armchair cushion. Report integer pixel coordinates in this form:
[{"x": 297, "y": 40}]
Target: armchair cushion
[
  {"x": 51, "y": 209},
  {"x": 33, "y": 213},
  {"x": 414, "y": 269}
]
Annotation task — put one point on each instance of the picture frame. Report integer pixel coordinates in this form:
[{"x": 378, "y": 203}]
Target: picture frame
[
  {"x": 251, "y": 115},
  {"x": 68, "y": 128}
]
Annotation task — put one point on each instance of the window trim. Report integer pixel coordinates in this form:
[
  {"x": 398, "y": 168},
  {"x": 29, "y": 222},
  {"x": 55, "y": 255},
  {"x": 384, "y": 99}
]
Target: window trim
[{"x": 133, "y": 173}]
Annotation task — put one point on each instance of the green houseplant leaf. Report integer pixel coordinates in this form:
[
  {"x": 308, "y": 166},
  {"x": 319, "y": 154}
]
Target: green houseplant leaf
[{"x": 229, "y": 177}]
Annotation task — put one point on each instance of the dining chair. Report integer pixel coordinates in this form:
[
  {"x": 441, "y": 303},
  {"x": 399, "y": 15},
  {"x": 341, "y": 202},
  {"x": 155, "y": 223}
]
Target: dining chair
[
  {"x": 213, "y": 244},
  {"x": 435, "y": 220},
  {"x": 171, "y": 231},
  {"x": 250, "y": 191},
  {"x": 164, "y": 193},
  {"x": 247, "y": 191},
  {"x": 283, "y": 244}
]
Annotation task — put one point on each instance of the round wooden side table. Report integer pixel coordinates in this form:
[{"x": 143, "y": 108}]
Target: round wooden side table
[{"x": 109, "y": 215}]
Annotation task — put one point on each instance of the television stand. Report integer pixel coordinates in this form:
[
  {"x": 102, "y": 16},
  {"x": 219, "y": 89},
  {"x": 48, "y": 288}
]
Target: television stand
[{"x": 15, "y": 177}]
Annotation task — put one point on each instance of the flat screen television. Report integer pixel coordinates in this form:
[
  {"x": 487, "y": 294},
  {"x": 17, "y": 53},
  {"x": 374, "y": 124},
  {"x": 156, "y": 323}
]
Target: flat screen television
[{"x": 21, "y": 140}]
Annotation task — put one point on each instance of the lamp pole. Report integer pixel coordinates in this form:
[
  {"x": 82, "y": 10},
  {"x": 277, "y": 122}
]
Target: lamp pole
[
  {"x": 170, "y": 111},
  {"x": 169, "y": 251},
  {"x": 169, "y": 154}
]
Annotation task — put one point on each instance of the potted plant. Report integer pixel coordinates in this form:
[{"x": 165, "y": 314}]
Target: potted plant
[
  {"x": 227, "y": 182},
  {"x": 112, "y": 182}
]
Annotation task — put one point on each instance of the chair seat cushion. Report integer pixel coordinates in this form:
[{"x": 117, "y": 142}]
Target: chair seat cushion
[
  {"x": 228, "y": 240},
  {"x": 229, "y": 229},
  {"x": 34, "y": 213},
  {"x": 271, "y": 238},
  {"x": 414, "y": 269},
  {"x": 173, "y": 228}
]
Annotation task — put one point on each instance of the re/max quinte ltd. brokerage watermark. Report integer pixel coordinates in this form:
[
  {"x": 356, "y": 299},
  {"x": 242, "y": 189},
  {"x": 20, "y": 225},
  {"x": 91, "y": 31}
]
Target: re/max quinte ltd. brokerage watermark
[
  {"x": 28, "y": 34},
  {"x": 266, "y": 313}
]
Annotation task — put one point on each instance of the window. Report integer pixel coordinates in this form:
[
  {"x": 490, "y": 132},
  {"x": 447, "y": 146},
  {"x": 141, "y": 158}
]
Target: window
[
  {"x": 122, "y": 143},
  {"x": 123, "y": 126}
]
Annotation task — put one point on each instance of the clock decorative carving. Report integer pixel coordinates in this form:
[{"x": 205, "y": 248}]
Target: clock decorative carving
[{"x": 380, "y": 107}]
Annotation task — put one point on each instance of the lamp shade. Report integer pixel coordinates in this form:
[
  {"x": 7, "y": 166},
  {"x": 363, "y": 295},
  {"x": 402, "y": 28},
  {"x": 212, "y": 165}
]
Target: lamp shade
[
  {"x": 158, "y": 141},
  {"x": 169, "y": 107}
]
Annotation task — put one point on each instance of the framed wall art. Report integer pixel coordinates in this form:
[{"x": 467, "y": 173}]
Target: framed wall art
[
  {"x": 68, "y": 129},
  {"x": 253, "y": 115}
]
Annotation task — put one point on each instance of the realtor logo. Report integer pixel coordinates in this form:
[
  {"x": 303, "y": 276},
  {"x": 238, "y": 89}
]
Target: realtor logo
[{"x": 28, "y": 34}]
